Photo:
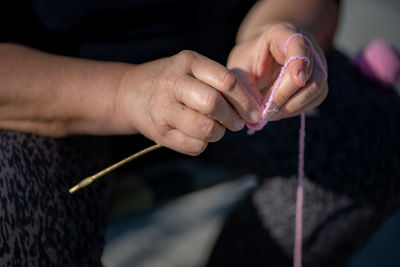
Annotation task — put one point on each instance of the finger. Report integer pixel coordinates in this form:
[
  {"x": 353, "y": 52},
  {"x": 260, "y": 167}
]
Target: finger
[
  {"x": 297, "y": 52},
  {"x": 226, "y": 82},
  {"x": 251, "y": 85},
  {"x": 287, "y": 88},
  {"x": 208, "y": 101},
  {"x": 300, "y": 70},
  {"x": 182, "y": 143},
  {"x": 313, "y": 90},
  {"x": 315, "y": 103},
  {"x": 194, "y": 124},
  {"x": 307, "y": 97},
  {"x": 293, "y": 51},
  {"x": 285, "y": 43}
]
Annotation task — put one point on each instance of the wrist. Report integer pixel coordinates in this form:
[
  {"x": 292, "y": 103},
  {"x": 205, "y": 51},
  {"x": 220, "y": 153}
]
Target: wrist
[{"x": 96, "y": 110}]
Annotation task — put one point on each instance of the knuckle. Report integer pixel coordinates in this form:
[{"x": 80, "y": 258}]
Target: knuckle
[
  {"x": 246, "y": 103},
  {"x": 168, "y": 79},
  {"x": 228, "y": 81},
  {"x": 198, "y": 148},
  {"x": 220, "y": 135},
  {"x": 301, "y": 45},
  {"x": 186, "y": 56},
  {"x": 161, "y": 127},
  {"x": 315, "y": 89},
  {"x": 187, "y": 146},
  {"x": 210, "y": 103},
  {"x": 183, "y": 140},
  {"x": 280, "y": 98},
  {"x": 209, "y": 129},
  {"x": 301, "y": 42},
  {"x": 277, "y": 27}
]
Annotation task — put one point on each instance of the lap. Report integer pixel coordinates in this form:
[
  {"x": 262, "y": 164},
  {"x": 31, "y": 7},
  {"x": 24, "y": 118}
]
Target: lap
[{"x": 41, "y": 224}]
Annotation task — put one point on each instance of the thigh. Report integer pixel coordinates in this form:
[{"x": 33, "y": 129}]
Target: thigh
[
  {"x": 352, "y": 177},
  {"x": 41, "y": 224}
]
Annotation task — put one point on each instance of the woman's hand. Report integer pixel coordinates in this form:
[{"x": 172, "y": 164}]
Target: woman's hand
[
  {"x": 183, "y": 102},
  {"x": 258, "y": 61}
]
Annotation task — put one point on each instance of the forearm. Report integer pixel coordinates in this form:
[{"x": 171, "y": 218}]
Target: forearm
[
  {"x": 318, "y": 17},
  {"x": 56, "y": 96}
]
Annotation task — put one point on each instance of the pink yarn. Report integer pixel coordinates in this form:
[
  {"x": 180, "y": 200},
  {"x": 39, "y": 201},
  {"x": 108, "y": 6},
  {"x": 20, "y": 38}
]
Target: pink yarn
[
  {"x": 267, "y": 102},
  {"x": 316, "y": 56},
  {"x": 265, "y": 107},
  {"x": 299, "y": 199},
  {"x": 285, "y": 46},
  {"x": 380, "y": 62}
]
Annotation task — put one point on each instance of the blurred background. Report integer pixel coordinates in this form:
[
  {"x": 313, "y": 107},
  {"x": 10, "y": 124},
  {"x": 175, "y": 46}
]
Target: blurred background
[{"x": 181, "y": 231}]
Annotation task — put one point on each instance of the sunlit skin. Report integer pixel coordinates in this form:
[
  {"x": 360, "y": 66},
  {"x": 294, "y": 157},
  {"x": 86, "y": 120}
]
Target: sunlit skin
[{"x": 182, "y": 102}]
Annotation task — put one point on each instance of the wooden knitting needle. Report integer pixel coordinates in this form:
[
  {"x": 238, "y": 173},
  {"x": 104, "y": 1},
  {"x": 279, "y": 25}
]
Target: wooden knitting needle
[{"x": 88, "y": 180}]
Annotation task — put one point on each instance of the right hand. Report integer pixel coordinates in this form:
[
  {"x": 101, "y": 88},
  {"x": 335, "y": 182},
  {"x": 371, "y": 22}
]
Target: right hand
[{"x": 183, "y": 102}]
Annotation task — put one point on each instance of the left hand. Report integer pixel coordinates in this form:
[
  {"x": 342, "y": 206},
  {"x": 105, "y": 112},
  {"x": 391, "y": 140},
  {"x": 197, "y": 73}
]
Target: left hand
[{"x": 258, "y": 61}]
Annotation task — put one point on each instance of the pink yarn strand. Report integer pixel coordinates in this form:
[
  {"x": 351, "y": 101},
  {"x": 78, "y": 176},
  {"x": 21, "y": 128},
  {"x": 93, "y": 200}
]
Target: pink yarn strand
[
  {"x": 285, "y": 46},
  {"x": 315, "y": 54},
  {"x": 265, "y": 107},
  {"x": 267, "y": 102},
  {"x": 299, "y": 201}
]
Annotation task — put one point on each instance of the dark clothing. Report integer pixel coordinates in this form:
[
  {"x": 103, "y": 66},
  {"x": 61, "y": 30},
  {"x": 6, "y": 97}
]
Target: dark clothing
[
  {"x": 132, "y": 31},
  {"x": 40, "y": 223},
  {"x": 352, "y": 184},
  {"x": 351, "y": 187},
  {"x": 352, "y": 161}
]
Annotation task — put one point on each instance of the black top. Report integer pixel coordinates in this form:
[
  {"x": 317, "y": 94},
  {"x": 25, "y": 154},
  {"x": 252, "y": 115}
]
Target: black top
[{"x": 124, "y": 30}]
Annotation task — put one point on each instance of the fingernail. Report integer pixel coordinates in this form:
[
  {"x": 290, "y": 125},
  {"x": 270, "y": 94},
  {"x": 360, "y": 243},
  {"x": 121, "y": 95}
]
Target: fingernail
[
  {"x": 255, "y": 116},
  {"x": 239, "y": 124},
  {"x": 302, "y": 77},
  {"x": 273, "y": 106}
]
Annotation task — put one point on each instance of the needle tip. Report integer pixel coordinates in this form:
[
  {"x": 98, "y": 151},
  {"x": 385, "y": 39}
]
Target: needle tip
[
  {"x": 74, "y": 189},
  {"x": 85, "y": 182}
]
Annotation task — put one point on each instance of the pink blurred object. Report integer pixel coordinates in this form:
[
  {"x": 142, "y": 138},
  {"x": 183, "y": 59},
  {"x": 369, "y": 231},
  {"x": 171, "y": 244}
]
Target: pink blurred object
[{"x": 379, "y": 61}]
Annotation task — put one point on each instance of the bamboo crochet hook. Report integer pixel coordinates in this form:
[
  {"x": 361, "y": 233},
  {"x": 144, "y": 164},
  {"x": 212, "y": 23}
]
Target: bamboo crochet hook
[{"x": 88, "y": 180}]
